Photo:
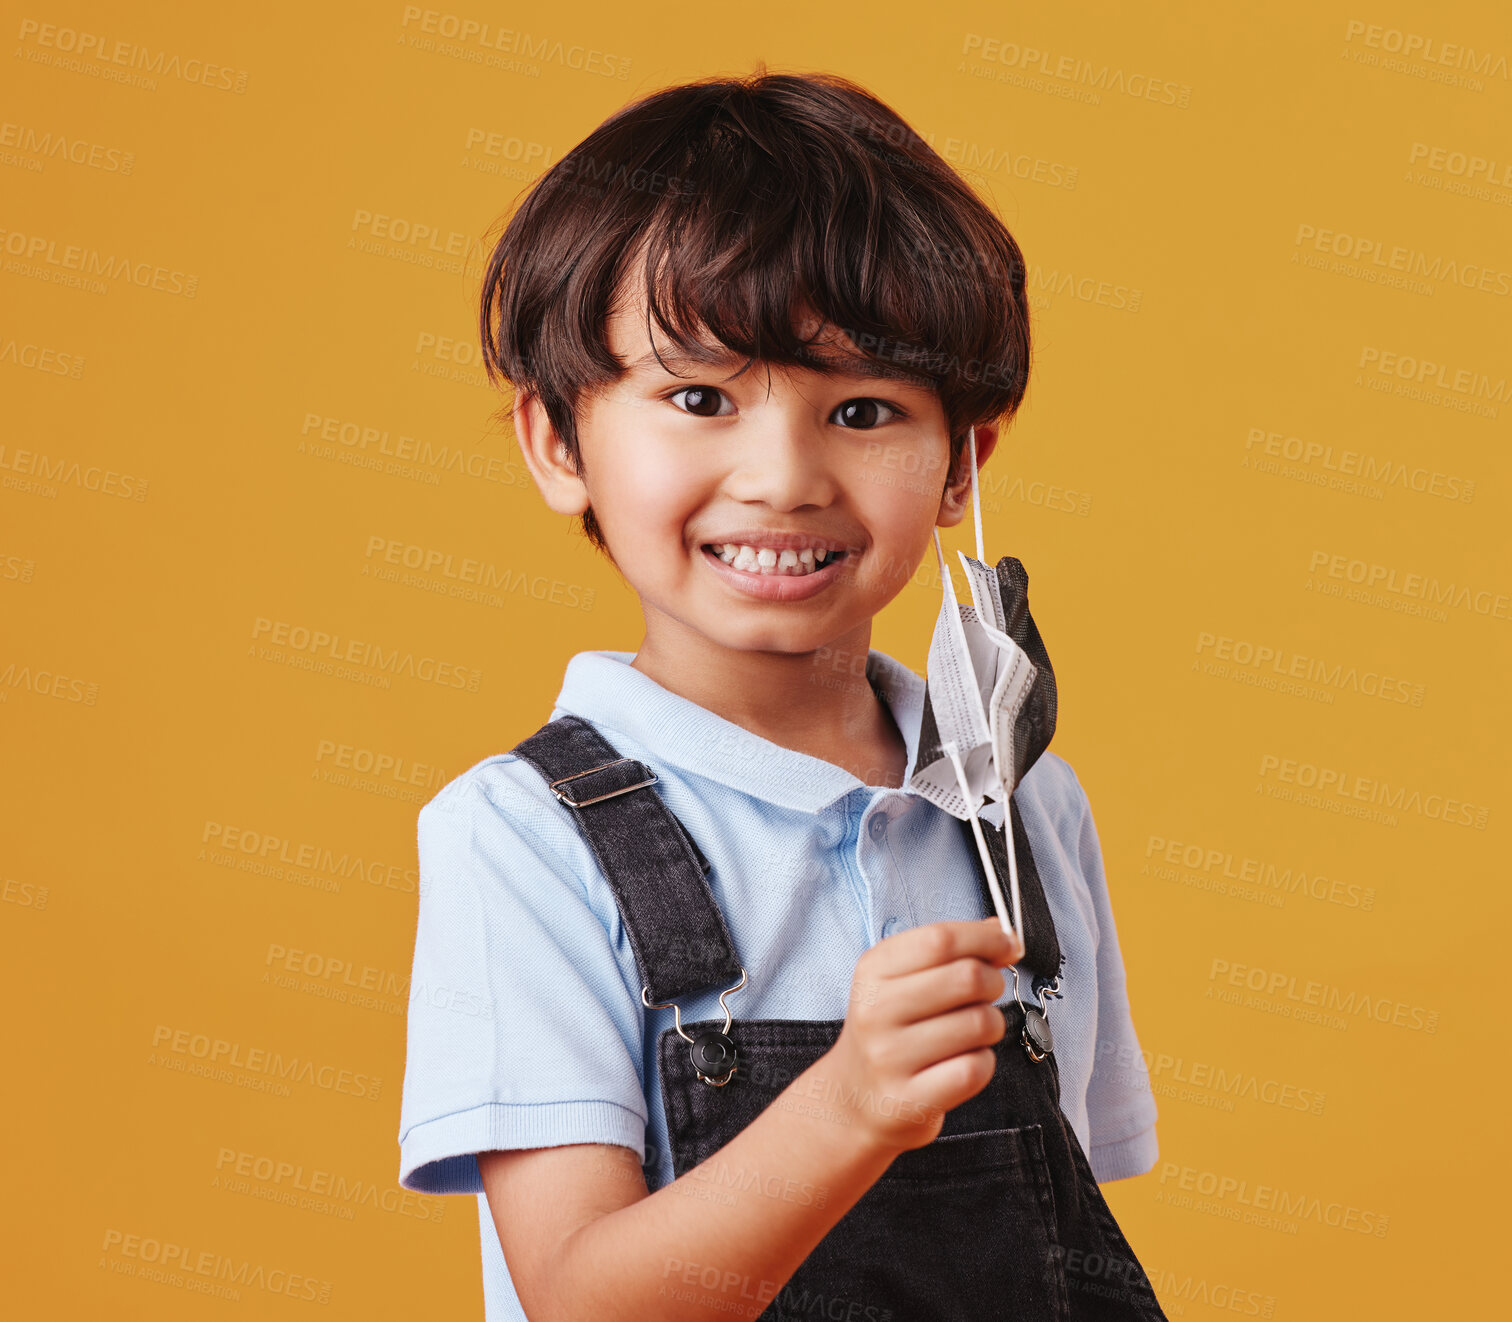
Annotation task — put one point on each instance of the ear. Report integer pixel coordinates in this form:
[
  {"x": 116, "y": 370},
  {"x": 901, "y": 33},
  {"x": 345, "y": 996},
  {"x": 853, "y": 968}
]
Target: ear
[
  {"x": 957, "y": 498},
  {"x": 545, "y": 456}
]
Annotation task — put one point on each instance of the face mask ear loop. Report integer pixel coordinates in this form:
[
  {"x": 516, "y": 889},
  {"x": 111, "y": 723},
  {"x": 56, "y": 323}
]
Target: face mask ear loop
[
  {"x": 976, "y": 503},
  {"x": 1013, "y": 882},
  {"x": 993, "y": 885},
  {"x": 946, "y": 586}
]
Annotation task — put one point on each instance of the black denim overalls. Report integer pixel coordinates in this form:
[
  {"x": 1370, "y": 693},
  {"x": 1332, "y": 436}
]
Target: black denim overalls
[{"x": 999, "y": 1218}]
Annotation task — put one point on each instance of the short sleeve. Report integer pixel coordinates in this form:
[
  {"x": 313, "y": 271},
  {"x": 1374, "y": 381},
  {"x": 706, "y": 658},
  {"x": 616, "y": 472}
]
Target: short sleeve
[
  {"x": 1121, "y": 1108},
  {"x": 523, "y": 1030}
]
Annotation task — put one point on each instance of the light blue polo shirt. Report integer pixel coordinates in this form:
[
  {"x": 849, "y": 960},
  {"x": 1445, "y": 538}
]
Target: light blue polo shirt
[{"x": 526, "y": 1027}]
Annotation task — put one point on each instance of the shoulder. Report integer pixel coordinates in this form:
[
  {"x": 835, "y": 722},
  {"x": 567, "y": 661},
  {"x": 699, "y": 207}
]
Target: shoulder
[
  {"x": 1052, "y": 787},
  {"x": 500, "y": 782},
  {"x": 501, "y": 812},
  {"x": 1058, "y": 818}
]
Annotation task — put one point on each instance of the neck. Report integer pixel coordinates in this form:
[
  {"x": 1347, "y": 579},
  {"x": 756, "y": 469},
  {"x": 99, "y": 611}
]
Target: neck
[{"x": 820, "y": 702}]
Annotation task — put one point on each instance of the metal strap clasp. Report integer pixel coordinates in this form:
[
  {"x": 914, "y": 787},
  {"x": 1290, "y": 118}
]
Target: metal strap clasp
[
  {"x": 714, "y": 1054},
  {"x": 581, "y": 803},
  {"x": 1038, "y": 1040}
]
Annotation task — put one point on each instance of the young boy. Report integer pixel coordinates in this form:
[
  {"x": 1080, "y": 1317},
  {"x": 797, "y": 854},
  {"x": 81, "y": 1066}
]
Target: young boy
[{"x": 749, "y": 324}]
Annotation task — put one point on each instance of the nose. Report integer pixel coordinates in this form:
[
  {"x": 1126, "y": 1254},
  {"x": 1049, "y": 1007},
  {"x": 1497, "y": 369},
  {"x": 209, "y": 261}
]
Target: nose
[{"x": 782, "y": 459}]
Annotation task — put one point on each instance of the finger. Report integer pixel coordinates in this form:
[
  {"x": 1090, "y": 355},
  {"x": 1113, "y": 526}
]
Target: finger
[
  {"x": 942, "y": 1084},
  {"x": 940, "y": 943},
  {"x": 930, "y": 992},
  {"x": 918, "y": 1046}
]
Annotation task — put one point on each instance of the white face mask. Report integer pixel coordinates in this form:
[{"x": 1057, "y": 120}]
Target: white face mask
[{"x": 989, "y": 707}]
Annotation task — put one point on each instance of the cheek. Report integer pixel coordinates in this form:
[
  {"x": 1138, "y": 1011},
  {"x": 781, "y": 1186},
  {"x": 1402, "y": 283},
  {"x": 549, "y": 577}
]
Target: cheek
[
  {"x": 898, "y": 493},
  {"x": 656, "y": 491}
]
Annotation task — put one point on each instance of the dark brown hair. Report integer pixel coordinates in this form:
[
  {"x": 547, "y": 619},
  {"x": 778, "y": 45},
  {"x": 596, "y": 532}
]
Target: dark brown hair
[{"x": 750, "y": 201}]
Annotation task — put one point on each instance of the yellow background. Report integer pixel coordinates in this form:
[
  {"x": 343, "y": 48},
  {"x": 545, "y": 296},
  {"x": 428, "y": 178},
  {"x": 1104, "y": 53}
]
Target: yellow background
[{"x": 148, "y": 716}]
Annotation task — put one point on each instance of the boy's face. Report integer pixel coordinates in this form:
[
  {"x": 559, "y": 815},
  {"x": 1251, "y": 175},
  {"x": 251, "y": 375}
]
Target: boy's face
[{"x": 679, "y": 466}]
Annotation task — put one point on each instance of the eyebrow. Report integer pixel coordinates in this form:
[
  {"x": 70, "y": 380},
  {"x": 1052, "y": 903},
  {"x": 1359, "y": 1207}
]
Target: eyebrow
[
  {"x": 700, "y": 355},
  {"x": 707, "y": 355}
]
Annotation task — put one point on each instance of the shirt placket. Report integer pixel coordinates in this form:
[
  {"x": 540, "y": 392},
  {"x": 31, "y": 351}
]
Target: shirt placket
[{"x": 890, "y": 906}]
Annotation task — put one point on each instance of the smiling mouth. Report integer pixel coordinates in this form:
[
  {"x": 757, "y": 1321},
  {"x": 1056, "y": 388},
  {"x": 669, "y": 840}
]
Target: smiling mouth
[{"x": 767, "y": 562}]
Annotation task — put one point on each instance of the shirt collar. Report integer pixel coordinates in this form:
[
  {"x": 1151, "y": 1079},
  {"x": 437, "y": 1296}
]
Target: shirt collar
[{"x": 603, "y": 687}]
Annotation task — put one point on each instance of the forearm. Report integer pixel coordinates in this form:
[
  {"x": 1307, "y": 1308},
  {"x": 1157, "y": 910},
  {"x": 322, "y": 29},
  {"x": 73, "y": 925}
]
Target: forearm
[{"x": 722, "y": 1240}]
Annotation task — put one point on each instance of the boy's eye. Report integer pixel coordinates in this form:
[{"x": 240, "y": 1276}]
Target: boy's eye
[
  {"x": 863, "y": 413},
  {"x": 701, "y": 401},
  {"x": 709, "y": 402}
]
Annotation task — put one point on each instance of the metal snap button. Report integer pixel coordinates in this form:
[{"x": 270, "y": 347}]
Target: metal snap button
[
  {"x": 1038, "y": 1039},
  {"x": 713, "y": 1055}
]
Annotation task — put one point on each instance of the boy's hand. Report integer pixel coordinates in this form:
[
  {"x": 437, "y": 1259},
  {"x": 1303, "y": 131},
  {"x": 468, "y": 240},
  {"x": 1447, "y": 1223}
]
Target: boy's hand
[{"x": 918, "y": 1038}]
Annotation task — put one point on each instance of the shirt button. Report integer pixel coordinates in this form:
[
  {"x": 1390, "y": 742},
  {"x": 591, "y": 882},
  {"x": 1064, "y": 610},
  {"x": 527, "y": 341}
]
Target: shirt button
[
  {"x": 891, "y": 925},
  {"x": 878, "y": 827}
]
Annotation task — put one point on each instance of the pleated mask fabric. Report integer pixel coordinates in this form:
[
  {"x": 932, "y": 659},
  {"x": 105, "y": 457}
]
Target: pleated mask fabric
[{"x": 990, "y": 700}]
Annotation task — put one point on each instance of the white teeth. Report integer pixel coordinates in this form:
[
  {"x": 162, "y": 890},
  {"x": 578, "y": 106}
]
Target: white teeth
[{"x": 768, "y": 560}]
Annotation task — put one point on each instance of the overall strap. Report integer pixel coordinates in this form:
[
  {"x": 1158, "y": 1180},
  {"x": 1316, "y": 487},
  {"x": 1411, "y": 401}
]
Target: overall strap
[
  {"x": 652, "y": 864},
  {"x": 1042, "y": 952}
]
